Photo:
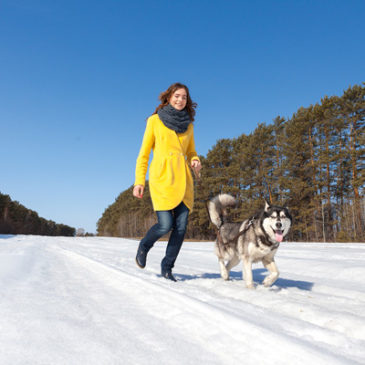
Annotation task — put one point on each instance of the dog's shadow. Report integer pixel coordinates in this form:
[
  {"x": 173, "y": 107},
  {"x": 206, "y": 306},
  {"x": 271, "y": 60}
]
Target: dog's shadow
[{"x": 258, "y": 277}]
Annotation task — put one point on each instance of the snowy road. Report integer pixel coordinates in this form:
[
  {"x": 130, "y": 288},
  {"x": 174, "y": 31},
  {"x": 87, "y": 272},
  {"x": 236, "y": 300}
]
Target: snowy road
[{"x": 84, "y": 301}]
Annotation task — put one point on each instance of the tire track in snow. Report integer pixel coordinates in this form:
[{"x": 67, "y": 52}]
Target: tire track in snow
[{"x": 101, "y": 297}]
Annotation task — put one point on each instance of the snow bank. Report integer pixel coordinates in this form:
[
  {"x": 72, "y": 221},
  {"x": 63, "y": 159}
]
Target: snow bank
[{"x": 84, "y": 301}]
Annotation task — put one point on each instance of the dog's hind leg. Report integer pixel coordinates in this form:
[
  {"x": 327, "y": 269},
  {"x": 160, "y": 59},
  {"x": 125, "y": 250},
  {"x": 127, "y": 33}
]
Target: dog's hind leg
[
  {"x": 232, "y": 263},
  {"x": 273, "y": 272},
  {"x": 247, "y": 269},
  {"x": 224, "y": 272}
]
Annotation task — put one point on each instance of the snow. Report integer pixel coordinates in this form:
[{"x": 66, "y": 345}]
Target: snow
[{"x": 69, "y": 300}]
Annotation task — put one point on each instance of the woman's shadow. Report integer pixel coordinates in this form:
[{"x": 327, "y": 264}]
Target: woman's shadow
[{"x": 258, "y": 277}]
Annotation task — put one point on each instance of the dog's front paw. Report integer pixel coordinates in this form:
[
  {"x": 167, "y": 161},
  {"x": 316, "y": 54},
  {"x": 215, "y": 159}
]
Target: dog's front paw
[
  {"x": 225, "y": 275},
  {"x": 269, "y": 280},
  {"x": 250, "y": 286}
]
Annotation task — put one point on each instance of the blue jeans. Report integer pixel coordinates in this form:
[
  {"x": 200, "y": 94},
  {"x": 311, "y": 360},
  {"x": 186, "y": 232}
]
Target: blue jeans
[{"x": 175, "y": 219}]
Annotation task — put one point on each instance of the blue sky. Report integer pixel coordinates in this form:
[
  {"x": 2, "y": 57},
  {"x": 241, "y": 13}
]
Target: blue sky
[{"x": 79, "y": 78}]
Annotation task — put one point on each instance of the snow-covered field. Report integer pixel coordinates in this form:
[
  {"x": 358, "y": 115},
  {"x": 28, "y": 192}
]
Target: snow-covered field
[{"x": 84, "y": 301}]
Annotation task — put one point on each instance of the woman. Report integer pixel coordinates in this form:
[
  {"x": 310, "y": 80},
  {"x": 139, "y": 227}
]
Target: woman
[{"x": 170, "y": 134}]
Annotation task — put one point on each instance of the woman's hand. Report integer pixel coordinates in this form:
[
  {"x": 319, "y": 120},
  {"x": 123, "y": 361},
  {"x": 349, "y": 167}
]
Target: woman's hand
[
  {"x": 138, "y": 191},
  {"x": 196, "y": 166}
]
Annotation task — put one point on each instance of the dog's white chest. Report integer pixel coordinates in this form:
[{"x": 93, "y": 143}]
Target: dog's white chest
[{"x": 256, "y": 253}]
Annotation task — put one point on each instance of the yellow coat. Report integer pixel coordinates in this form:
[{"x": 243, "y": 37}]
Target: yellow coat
[{"x": 170, "y": 178}]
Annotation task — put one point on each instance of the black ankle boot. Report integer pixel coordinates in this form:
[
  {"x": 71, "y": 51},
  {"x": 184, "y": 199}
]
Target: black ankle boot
[
  {"x": 141, "y": 256},
  {"x": 168, "y": 275}
]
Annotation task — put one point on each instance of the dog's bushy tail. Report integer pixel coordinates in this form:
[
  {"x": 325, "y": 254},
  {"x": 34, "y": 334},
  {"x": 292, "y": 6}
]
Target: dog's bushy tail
[{"x": 217, "y": 208}]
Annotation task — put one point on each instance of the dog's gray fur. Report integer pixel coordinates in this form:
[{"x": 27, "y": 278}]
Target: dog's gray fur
[{"x": 258, "y": 238}]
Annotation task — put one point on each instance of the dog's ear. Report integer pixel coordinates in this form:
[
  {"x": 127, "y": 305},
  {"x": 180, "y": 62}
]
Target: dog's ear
[{"x": 267, "y": 206}]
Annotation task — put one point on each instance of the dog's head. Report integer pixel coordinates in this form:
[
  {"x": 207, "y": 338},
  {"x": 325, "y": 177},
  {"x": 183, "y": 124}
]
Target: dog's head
[{"x": 276, "y": 221}]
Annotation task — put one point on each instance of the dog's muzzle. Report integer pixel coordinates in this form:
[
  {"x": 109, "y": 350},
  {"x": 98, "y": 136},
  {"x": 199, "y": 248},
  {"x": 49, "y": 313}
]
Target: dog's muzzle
[{"x": 279, "y": 233}]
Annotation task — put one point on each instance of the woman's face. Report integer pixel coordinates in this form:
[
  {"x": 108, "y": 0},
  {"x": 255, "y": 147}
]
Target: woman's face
[{"x": 178, "y": 99}]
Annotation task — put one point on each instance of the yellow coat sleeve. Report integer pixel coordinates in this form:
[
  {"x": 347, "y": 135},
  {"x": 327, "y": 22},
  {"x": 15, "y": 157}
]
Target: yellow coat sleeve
[
  {"x": 144, "y": 154},
  {"x": 190, "y": 151}
]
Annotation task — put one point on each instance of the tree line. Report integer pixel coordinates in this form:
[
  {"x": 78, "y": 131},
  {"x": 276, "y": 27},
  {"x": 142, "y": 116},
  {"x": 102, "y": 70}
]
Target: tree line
[
  {"x": 17, "y": 219},
  {"x": 312, "y": 162}
]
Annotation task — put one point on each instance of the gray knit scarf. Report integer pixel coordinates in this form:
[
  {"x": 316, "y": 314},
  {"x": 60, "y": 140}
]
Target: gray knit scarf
[{"x": 177, "y": 120}]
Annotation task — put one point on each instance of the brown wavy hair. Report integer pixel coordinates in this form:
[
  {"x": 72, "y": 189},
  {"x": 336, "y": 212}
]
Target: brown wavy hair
[{"x": 165, "y": 97}]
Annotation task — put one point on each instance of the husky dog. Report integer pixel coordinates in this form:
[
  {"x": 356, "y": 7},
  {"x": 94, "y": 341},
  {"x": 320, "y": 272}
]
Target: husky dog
[{"x": 253, "y": 240}]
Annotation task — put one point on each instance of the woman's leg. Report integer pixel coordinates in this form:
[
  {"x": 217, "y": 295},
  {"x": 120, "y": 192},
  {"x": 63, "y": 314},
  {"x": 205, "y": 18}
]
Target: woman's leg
[
  {"x": 165, "y": 221},
  {"x": 180, "y": 221}
]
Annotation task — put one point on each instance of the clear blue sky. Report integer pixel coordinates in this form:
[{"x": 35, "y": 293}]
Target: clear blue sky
[{"x": 78, "y": 79}]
